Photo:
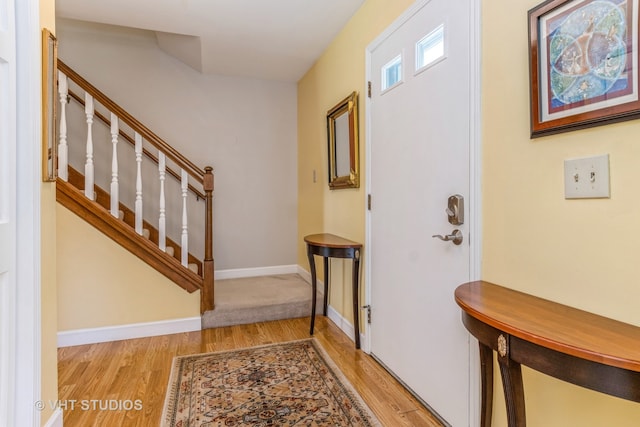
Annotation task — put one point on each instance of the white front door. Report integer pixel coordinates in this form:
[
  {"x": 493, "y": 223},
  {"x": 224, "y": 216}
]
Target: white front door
[
  {"x": 419, "y": 155},
  {"x": 8, "y": 282}
]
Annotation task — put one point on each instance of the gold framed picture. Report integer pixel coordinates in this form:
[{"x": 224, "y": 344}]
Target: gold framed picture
[{"x": 49, "y": 79}]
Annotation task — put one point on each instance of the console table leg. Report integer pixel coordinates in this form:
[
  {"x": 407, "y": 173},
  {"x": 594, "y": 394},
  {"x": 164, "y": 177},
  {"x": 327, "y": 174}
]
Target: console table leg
[
  {"x": 312, "y": 266},
  {"x": 356, "y": 298},
  {"x": 486, "y": 373},
  {"x": 326, "y": 285},
  {"x": 511, "y": 374}
]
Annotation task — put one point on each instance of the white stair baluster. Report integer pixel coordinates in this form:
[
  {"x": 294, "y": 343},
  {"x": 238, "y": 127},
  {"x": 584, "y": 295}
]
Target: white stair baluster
[
  {"x": 115, "y": 196},
  {"x": 63, "y": 149},
  {"x": 138, "y": 202},
  {"x": 88, "y": 166},
  {"x": 162, "y": 235},
  {"x": 185, "y": 226}
]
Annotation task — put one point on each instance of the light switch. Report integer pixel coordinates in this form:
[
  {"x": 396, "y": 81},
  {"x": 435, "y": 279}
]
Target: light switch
[{"x": 587, "y": 178}]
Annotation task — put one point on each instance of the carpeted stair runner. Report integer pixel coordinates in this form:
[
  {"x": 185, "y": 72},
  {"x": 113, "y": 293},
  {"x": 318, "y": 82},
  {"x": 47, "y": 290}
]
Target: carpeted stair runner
[{"x": 260, "y": 299}]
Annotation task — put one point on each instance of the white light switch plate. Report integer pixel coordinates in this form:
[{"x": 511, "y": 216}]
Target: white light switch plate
[{"x": 587, "y": 178}]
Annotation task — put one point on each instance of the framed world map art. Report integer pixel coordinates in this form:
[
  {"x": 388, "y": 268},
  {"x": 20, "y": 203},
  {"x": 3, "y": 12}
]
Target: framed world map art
[{"x": 583, "y": 58}]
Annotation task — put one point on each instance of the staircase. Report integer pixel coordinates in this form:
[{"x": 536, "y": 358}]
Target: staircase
[
  {"x": 261, "y": 299},
  {"x": 174, "y": 235}
]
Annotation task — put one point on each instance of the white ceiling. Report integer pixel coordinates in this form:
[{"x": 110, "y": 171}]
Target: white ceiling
[{"x": 269, "y": 39}]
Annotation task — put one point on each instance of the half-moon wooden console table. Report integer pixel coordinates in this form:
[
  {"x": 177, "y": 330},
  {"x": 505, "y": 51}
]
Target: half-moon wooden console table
[
  {"x": 331, "y": 246},
  {"x": 570, "y": 344}
]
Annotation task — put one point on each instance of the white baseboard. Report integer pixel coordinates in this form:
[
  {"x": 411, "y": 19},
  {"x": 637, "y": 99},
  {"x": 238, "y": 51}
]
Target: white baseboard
[
  {"x": 253, "y": 272},
  {"x": 55, "y": 420},
  {"x": 123, "y": 332},
  {"x": 175, "y": 326},
  {"x": 306, "y": 275},
  {"x": 342, "y": 323}
]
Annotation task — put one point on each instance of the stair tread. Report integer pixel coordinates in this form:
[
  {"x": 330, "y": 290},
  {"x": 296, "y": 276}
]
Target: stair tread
[{"x": 258, "y": 299}]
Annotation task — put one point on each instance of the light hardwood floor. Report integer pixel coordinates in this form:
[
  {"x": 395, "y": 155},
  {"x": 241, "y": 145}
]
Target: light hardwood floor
[{"x": 139, "y": 369}]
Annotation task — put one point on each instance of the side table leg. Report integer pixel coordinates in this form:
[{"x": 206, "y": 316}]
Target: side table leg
[
  {"x": 356, "y": 298},
  {"x": 326, "y": 284},
  {"x": 511, "y": 374},
  {"x": 312, "y": 267},
  {"x": 486, "y": 373}
]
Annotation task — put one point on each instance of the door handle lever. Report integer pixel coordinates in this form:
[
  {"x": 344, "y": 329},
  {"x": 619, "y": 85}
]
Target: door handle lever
[{"x": 455, "y": 237}]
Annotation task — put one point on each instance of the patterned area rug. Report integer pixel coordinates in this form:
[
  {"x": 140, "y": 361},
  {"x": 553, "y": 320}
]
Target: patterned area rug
[{"x": 288, "y": 384}]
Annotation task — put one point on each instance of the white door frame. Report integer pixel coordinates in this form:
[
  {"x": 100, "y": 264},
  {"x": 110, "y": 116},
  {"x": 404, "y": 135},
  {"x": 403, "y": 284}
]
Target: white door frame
[
  {"x": 475, "y": 175},
  {"x": 28, "y": 183}
]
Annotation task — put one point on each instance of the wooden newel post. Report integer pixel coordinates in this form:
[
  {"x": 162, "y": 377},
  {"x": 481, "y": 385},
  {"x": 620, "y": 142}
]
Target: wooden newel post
[{"x": 206, "y": 294}]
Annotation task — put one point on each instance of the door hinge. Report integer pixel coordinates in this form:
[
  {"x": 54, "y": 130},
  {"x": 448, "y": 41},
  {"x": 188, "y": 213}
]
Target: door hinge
[
  {"x": 368, "y": 308},
  {"x": 369, "y": 89},
  {"x": 369, "y": 201}
]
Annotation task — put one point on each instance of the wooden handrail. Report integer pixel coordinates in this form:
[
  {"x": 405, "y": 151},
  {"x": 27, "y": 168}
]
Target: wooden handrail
[
  {"x": 123, "y": 115},
  {"x": 204, "y": 177},
  {"x": 131, "y": 141}
]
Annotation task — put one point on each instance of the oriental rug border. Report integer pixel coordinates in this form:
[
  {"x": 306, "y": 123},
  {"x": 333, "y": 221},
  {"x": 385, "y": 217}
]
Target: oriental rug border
[{"x": 290, "y": 383}]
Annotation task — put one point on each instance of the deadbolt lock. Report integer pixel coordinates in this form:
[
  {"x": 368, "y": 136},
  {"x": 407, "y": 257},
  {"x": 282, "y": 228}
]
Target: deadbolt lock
[{"x": 455, "y": 209}]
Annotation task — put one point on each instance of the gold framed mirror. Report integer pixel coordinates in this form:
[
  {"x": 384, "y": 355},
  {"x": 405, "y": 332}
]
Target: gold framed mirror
[
  {"x": 49, "y": 79},
  {"x": 342, "y": 138}
]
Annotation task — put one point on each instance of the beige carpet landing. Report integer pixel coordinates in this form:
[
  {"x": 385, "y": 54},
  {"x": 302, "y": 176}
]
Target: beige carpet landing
[{"x": 260, "y": 299}]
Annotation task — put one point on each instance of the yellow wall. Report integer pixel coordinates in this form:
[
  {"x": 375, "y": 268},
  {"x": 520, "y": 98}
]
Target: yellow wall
[
  {"x": 101, "y": 284},
  {"x": 339, "y": 71},
  {"x": 578, "y": 252},
  {"x": 49, "y": 351}
]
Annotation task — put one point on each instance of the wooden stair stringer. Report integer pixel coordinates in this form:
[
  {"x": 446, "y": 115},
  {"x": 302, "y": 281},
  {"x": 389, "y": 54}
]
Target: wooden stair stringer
[
  {"x": 116, "y": 229},
  {"x": 103, "y": 198}
]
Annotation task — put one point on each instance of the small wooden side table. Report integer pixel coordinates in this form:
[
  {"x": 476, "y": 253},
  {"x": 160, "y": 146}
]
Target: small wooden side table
[
  {"x": 331, "y": 246},
  {"x": 572, "y": 345}
]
